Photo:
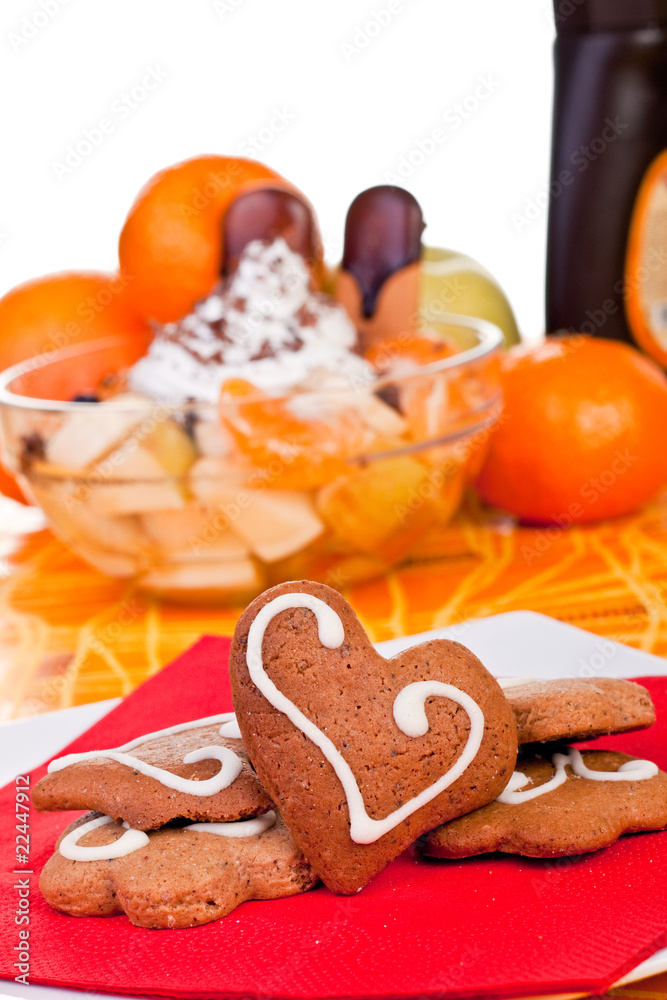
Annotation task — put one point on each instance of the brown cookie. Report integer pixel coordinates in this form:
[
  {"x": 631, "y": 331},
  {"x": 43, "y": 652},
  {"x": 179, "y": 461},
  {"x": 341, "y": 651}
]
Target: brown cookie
[
  {"x": 179, "y": 878},
  {"x": 577, "y": 816},
  {"x": 144, "y": 801},
  {"x": 577, "y": 708},
  {"x": 394, "y": 740}
]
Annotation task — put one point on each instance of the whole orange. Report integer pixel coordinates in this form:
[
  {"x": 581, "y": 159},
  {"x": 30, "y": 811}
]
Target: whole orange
[
  {"x": 171, "y": 243},
  {"x": 61, "y": 310},
  {"x": 582, "y": 434}
]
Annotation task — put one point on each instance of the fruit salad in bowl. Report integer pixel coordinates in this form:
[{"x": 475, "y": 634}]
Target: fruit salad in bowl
[{"x": 264, "y": 435}]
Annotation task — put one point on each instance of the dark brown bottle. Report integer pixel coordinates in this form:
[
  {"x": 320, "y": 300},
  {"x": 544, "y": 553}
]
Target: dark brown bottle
[{"x": 606, "y": 257}]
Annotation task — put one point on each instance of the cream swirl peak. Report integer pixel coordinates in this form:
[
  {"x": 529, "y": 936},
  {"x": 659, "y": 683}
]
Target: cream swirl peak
[{"x": 265, "y": 324}]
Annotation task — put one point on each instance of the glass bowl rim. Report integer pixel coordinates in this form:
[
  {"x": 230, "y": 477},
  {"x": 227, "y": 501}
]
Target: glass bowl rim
[{"x": 490, "y": 339}]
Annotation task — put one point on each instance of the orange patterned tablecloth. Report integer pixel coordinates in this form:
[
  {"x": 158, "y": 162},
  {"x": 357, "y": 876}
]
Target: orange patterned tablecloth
[{"x": 69, "y": 635}]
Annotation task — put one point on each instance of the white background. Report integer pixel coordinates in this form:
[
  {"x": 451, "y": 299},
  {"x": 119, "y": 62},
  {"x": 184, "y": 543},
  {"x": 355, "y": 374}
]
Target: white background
[{"x": 361, "y": 85}]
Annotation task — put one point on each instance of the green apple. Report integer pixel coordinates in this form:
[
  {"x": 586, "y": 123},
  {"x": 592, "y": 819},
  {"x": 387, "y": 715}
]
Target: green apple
[{"x": 452, "y": 282}]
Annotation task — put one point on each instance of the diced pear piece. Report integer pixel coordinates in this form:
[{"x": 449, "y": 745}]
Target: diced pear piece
[
  {"x": 369, "y": 506},
  {"x": 171, "y": 446},
  {"x": 380, "y": 417},
  {"x": 196, "y": 531},
  {"x": 88, "y": 434},
  {"x": 202, "y": 580}
]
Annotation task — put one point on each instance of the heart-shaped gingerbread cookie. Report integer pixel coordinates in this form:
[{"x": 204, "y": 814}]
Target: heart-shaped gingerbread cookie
[{"x": 362, "y": 754}]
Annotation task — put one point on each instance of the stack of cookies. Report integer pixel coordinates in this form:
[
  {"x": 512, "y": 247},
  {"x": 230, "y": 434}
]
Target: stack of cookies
[
  {"x": 181, "y": 830},
  {"x": 336, "y": 761}
]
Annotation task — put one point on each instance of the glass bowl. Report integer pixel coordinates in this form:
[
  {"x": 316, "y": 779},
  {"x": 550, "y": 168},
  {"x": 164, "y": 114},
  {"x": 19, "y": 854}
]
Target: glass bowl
[{"x": 214, "y": 503}]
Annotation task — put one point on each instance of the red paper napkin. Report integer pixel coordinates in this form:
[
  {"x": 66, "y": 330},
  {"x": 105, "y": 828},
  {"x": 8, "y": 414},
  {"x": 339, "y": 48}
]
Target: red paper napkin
[{"x": 492, "y": 926}]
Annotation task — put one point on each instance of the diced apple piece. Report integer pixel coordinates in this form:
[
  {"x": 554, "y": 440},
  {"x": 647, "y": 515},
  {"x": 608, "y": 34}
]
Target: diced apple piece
[
  {"x": 65, "y": 503},
  {"x": 112, "y": 545},
  {"x": 195, "y": 531},
  {"x": 211, "y": 438},
  {"x": 214, "y": 481},
  {"x": 369, "y": 506},
  {"x": 131, "y": 461},
  {"x": 272, "y": 523},
  {"x": 87, "y": 435},
  {"x": 131, "y": 480},
  {"x": 111, "y": 499},
  {"x": 275, "y": 523},
  {"x": 205, "y": 580}
]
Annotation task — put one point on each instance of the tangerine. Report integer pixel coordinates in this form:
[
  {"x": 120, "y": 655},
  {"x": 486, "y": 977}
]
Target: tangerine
[
  {"x": 581, "y": 437},
  {"x": 60, "y": 310},
  {"x": 171, "y": 243}
]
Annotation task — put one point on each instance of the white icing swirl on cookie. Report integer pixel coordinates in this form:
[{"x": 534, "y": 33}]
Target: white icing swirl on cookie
[
  {"x": 230, "y": 768},
  {"x": 242, "y": 828},
  {"x": 631, "y": 770},
  {"x": 231, "y": 730},
  {"x": 131, "y": 840},
  {"x": 512, "y": 796},
  {"x": 408, "y": 713}
]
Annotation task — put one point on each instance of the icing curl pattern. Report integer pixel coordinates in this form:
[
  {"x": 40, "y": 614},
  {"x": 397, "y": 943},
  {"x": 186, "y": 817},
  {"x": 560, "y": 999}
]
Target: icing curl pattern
[
  {"x": 515, "y": 793},
  {"x": 408, "y": 711}
]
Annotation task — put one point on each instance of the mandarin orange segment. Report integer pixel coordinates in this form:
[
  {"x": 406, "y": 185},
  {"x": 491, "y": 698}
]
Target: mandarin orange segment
[
  {"x": 403, "y": 351},
  {"x": 425, "y": 400},
  {"x": 296, "y": 453},
  {"x": 171, "y": 244}
]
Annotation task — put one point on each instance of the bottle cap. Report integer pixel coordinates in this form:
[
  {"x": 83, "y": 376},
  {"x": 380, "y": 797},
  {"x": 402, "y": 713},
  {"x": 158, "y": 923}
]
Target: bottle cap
[{"x": 608, "y": 15}]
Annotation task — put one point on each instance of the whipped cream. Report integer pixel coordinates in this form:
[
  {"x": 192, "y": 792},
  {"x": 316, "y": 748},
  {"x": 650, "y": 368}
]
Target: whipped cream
[{"x": 265, "y": 324}]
